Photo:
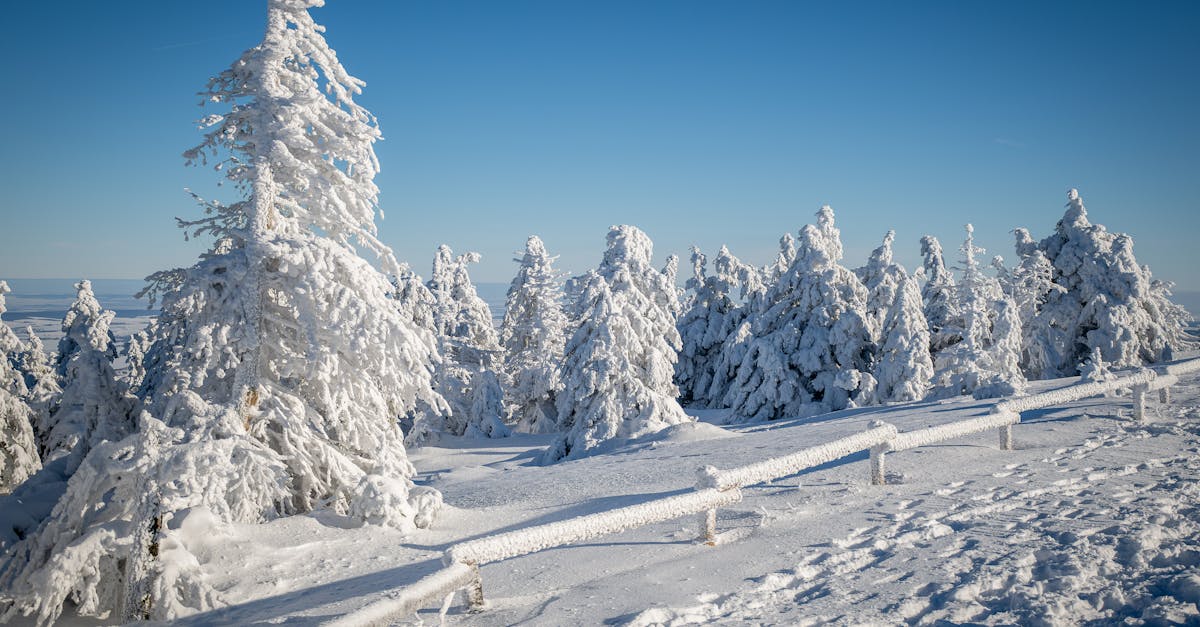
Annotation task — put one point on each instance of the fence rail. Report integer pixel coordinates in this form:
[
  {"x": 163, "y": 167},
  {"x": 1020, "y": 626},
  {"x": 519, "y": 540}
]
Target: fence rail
[{"x": 717, "y": 488}]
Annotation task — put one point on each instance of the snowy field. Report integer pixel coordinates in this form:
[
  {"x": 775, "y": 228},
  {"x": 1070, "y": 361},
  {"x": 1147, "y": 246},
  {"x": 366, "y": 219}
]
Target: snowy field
[{"x": 1093, "y": 517}]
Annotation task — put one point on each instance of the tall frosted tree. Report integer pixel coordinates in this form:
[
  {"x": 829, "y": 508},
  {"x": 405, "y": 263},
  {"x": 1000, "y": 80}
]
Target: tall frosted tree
[
  {"x": 618, "y": 364},
  {"x": 812, "y": 345},
  {"x": 533, "y": 334},
  {"x": 94, "y": 405},
  {"x": 45, "y": 389},
  {"x": 736, "y": 328},
  {"x": 882, "y": 277},
  {"x": 469, "y": 346},
  {"x": 1044, "y": 335},
  {"x": 278, "y": 366},
  {"x": 18, "y": 451},
  {"x": 414, "y": 300},
  {"x": 1107, "y": 300},
  {"x": 986, "y": 360},
  {"x": 938, "y": 295},
  {"x": 703, "y": 328},
  {"x": 904, "y": 368}
]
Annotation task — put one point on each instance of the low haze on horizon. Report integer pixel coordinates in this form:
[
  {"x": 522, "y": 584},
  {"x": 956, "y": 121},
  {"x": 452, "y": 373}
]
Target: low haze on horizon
[{"x": 701, "y": 122}]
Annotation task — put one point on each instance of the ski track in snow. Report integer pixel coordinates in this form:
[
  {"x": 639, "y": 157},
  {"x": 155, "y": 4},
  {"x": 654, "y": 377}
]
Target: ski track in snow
[{"x": 1020, "y": 550}]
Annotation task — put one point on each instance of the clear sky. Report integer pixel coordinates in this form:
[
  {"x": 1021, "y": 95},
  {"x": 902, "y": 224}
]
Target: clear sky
[{"x": 700, "y": 121}]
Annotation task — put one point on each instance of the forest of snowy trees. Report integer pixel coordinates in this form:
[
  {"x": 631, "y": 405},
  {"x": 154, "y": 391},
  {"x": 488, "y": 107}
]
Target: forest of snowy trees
[{"x": 288, "y": 373}]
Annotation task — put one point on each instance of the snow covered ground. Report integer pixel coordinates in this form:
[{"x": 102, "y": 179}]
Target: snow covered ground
[{"x": 1092, "y": 517}]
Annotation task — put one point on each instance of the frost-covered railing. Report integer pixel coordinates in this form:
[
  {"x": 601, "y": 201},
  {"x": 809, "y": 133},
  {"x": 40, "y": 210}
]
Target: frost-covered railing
[
  {"x": 464, "y": 559},
  {"x": 439, "y": 586},
  {"x": 717, "y": 488}
]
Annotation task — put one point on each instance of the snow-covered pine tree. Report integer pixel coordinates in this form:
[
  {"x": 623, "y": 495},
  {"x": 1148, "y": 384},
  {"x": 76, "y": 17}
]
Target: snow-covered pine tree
[
  {"x": 986, "y": 361},
  {"x": 1044, "y": 339},
  {"x": 618, "y": 364},
  {"x": 279, "y": 364},
  {"x": 94, "y": 405},
  {"x": 468, "y": 344},
  {"x": 41, "y": 381},
  {"x": 135, "y": 357},
  {"x": 882, "y": 277},
  {"x": 904, "y": 368},
  {"x": 703, "y": 328},
  {"x": 735, "y": 331},
  {"x": 413, "y": 299},
  {"x": 18, "y": 451},
  {"x": 783, "y": 260},
  {"x": 937, "y": 295},
  {"x": 533, "y": 334},
  {"x": 812, "y": 346},
  {"x": 1108, "y": 301}
]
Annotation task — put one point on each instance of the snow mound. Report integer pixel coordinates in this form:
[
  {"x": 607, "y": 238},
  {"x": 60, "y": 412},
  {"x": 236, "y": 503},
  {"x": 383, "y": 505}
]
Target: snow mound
[{"x": 689, "y": 432}]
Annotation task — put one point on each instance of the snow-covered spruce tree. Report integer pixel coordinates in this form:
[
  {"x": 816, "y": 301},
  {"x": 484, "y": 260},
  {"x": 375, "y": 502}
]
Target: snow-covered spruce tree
[
  {"x": 882, "y": 277},
  {"x": 41, "y": 380},
  {"x": 618, "y": 364},
  {"x": 812, "y": 346},
  {"x": 18, "y": 451},
  {"x": 783, "y": 260},
  {"x": 468, "y": 344},
  {"x": 986, "y": 361},
  {"x": 937, "y": 295},
  {"x": 413, "y": 299},
  {"x": 135, "y": 358},
  {"x": 903, "y": 367},
  {"x": 279, "y": 364},
  {"x": 703, "y": 328},
  {"x": 1107, "y": 300},
  {"x": 533, "y": 334},
  {"x": 735, "y": 332},
  {"x": 94, "y": 405},
  {"x": 1031, "y": 285}
]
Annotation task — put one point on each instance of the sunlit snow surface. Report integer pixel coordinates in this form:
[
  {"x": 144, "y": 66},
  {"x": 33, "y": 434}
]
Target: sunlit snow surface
[{"x": 1093, "y": 517}]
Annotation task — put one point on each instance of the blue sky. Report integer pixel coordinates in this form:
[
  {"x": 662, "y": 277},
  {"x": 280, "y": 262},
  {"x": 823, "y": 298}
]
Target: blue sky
[{"x": 701, "y": 122}]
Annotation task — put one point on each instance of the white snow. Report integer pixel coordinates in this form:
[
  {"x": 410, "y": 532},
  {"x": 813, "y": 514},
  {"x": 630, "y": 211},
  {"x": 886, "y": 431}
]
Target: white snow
[{"x": 1092, "y": 513}]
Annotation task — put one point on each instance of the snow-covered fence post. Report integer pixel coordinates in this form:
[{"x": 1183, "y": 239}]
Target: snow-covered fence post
[
  {"x": 474, "y": 591},
  {"x": 1139, "y": 401},
  {"x": 706, "y": 478},
  {"x": 878, "y": 454},
  {"x": 1164, "y": 395},
  {"x": 1006, "y": 438}
]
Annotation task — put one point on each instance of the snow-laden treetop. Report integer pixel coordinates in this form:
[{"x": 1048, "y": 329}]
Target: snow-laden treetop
[{"x": 293, "y": 111}]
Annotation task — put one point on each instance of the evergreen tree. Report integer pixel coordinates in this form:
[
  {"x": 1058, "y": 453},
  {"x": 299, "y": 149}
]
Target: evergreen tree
[
  {"x": 468, "y": 343},
  {"x": 812, "y": 347},
  {"x": 734, "y": 333},
  {"x": 18, "y": 451},
  {"x": 94, "y": 405},
  {"x": 938, "y": 295},
  {"x": 278, "y": 365},
  {"x": 414, "y": 300},
  {"x": 904, "y": 368},
  {"x": 533, "y": 334},
  {"x": 135, "y": 357},
  {"x": 882, "y": 277},
  {"x": 986, "y": 360},
  {"x": 41, "y": 381},
  {"x": 703, "y": 328},
  {"x": 1107, "y": 301},
  {"x": 1044, "y": 340},
  {"x": 619, "y": 362}
]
